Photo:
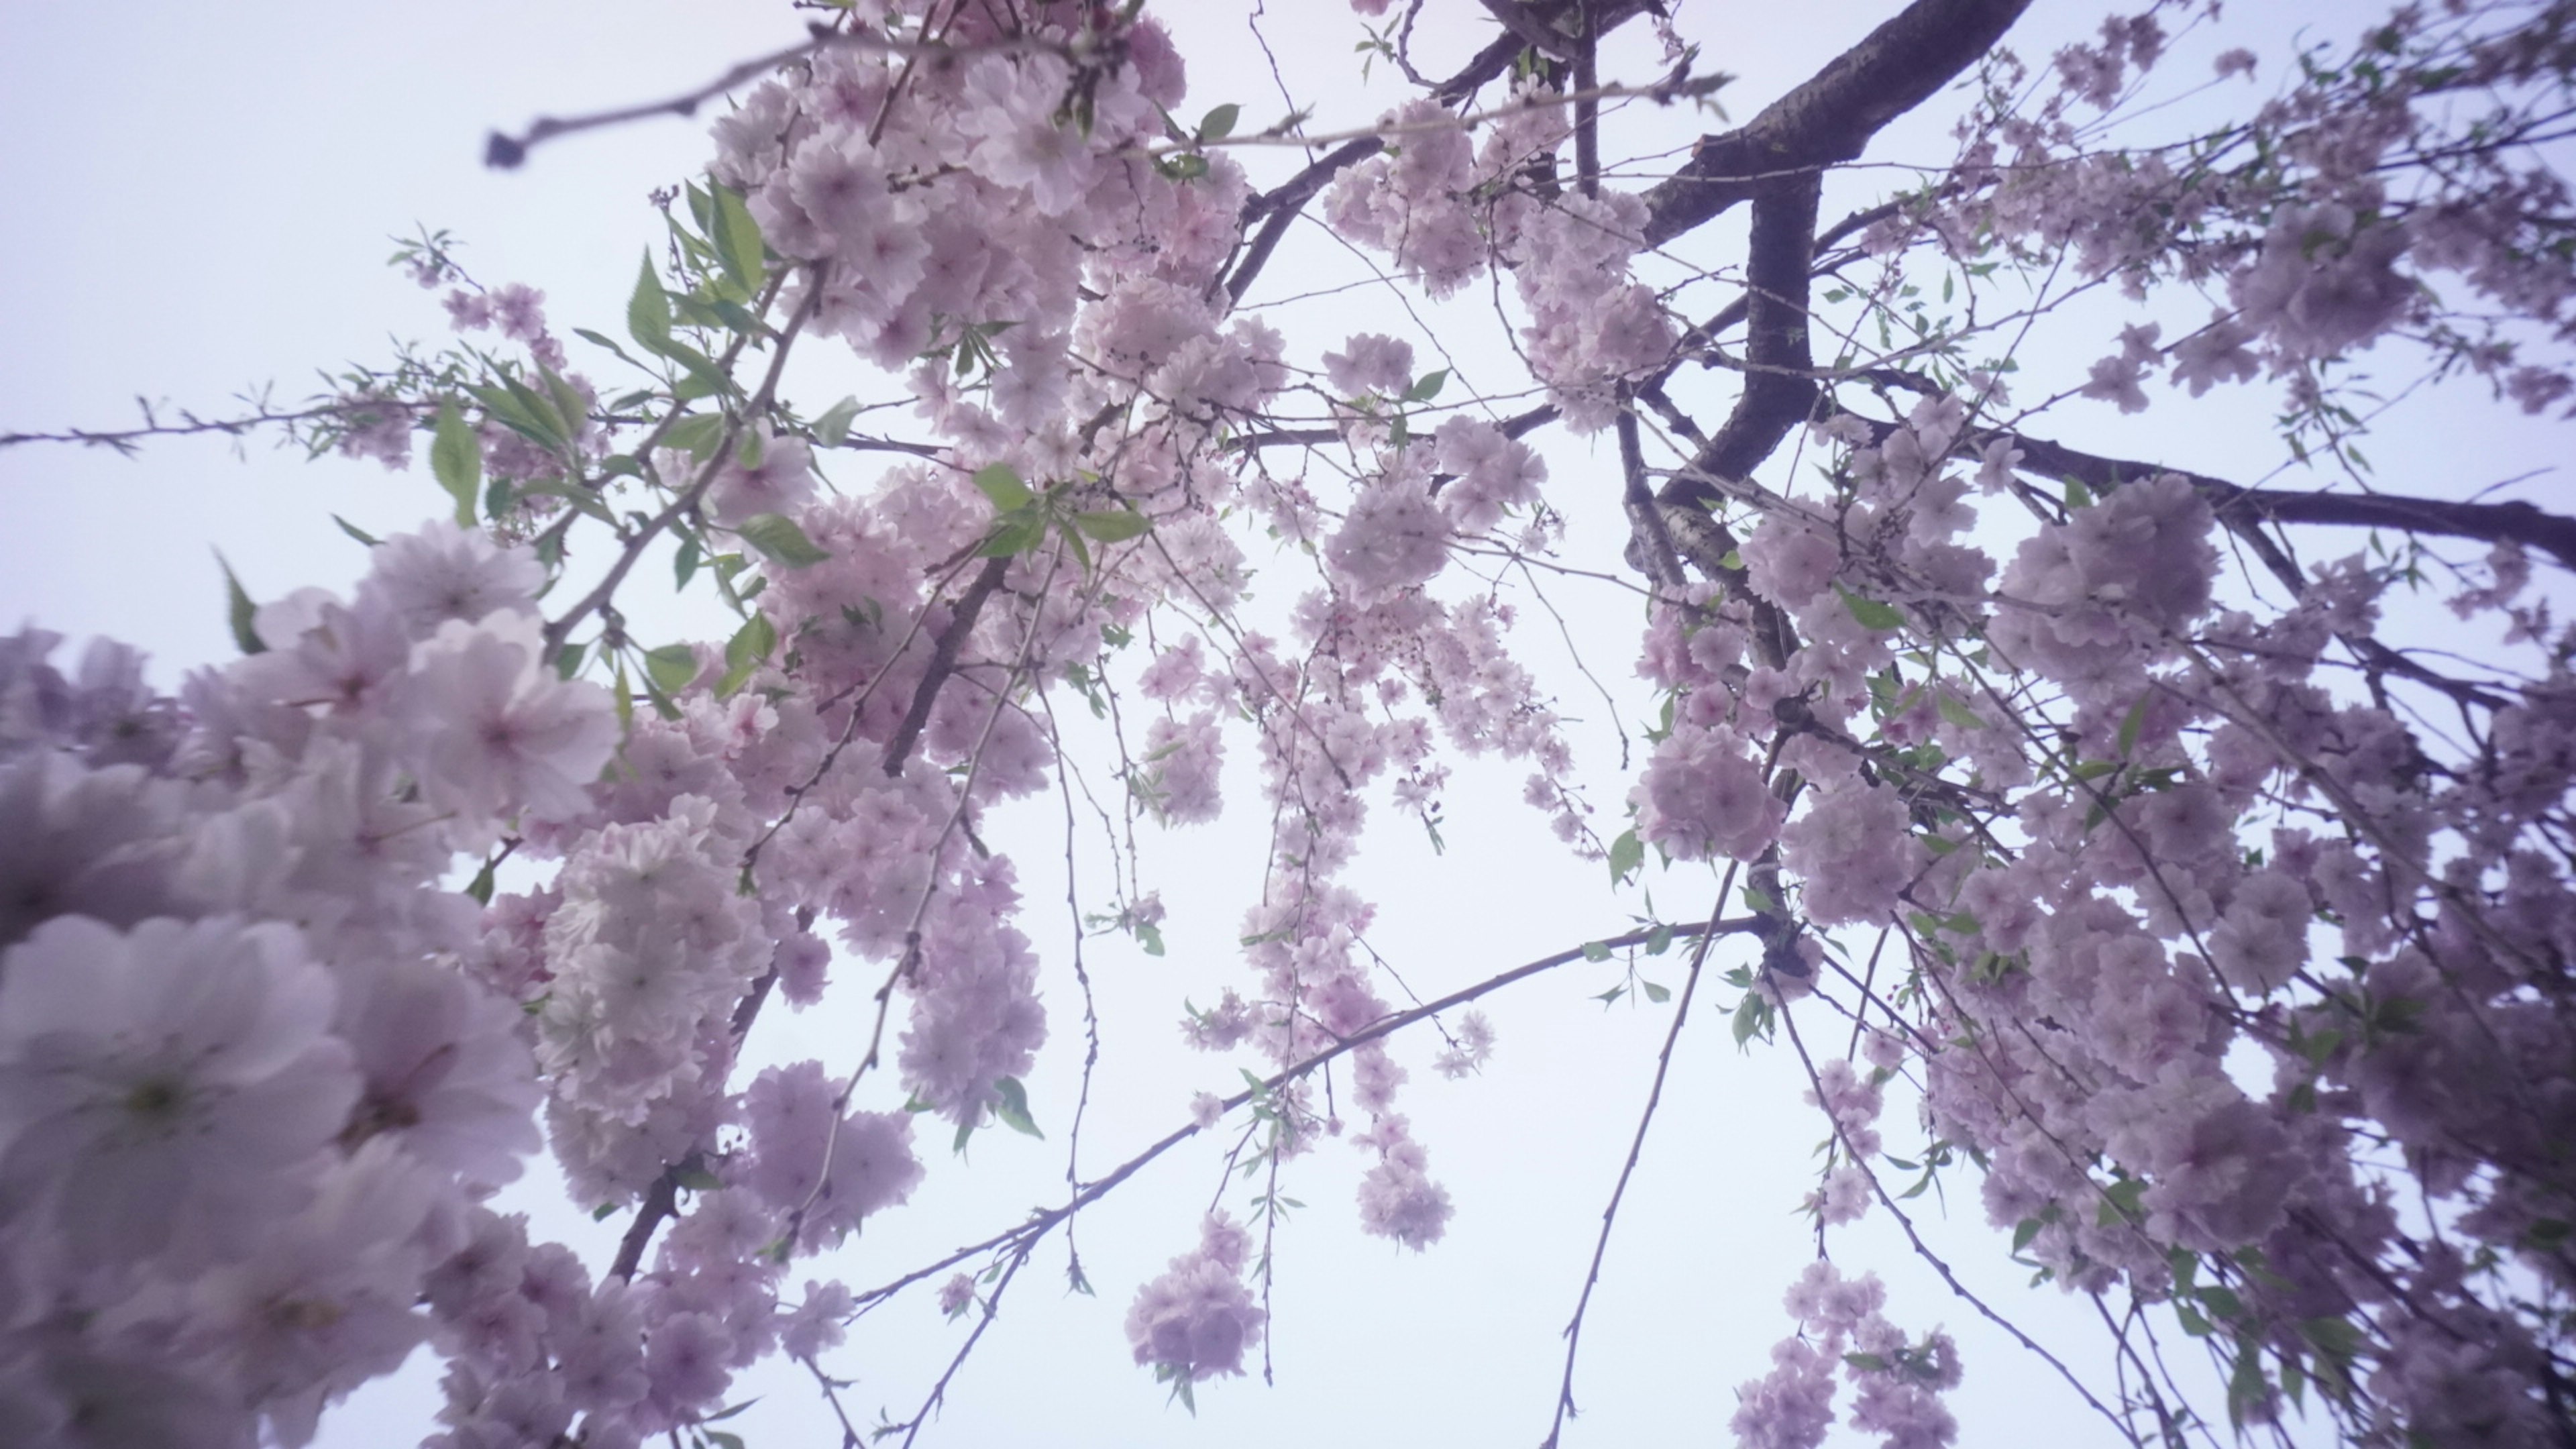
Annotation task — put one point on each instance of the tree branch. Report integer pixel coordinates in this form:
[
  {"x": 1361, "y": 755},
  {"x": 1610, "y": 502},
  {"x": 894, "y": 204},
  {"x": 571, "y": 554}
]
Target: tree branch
[
  {"x": 1832, "y": 116},
  {"x": 1778, "y": 391},
  {"x": 1277, "y": 209},
  {"x": 2517, "y": 522},
  {"x": 943, "y": 661},
  {"x": 1043, "y": 1220}
]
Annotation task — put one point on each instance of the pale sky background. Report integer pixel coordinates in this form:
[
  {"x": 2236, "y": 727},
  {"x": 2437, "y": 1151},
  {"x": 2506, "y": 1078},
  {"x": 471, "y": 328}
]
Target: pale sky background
[{"x": 201, "y": 199}]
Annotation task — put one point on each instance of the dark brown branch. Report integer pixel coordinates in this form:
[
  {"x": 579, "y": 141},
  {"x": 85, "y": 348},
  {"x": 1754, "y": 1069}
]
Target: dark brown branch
[
  {"x": 1831, "y": 117},
  {"x": 504, "y": 152},
  {"x": 2516, "y": 522},
  {"x": 1277, "y": 210},
  {"x": 124, "y": 440},
  {"x": 943, "y": 661},
  {"x": 1778, "y": 390}
]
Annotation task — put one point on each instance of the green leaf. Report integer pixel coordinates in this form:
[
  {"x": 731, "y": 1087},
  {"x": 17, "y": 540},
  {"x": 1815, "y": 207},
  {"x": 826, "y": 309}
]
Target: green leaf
[
  {"x": 239, "y": 611},
  {"x": 568, "y": 660},
  {"x": 1659, "y": 940},
  {"x": 723, "y": 1439},
  {"x": 749, "y": 647},
  {"x": 1626, "y": 854},
  {"x": 1867, "y": 1361},
  {"x": 457, "y": 458},
  {"x": 698, "y": 1179},
  {"x": 697, "y": 435},
  {"x": 833, "y": 427},
  {"x": 1019, "y": 533},
  {"x": 671, "y": 667},
  {"x": 1001, "y": 483},
  {"x": 2024, "y": 1231},
  {"x": 684, "y": 565},
  {"x": 599, "y": 340},
  {"x": 480, "y": 888},
  {"x": 1013, "y": 1109},
  {"x": 1218, "y": 123},
  {"x": 354, "y": 531},
  {"x": 1596, "y": 951},
  {"x": 520, "y": 410},
  {"x": 777, "y": 535},
  {"x": 648, "y": 311},
  {"x": 603, "y": 1212},
  {"x": 1957, "y": 713},
  {"x": 737, "y": 239},
  {"x": 1656, "y": 994},
  {"x": 1870, "y": 612},
  {"x": 1748, "y": 1018},
  {"x": 2135, "y": 722},
  {"x": 1113, "y": 525},
  {"x": 1427, "y": 386}
]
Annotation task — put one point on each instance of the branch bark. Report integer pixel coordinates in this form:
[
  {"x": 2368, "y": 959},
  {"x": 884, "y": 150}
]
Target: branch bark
[
  {"x": 2518, "y": 522},
  {"x": 1833, "y": 115}
]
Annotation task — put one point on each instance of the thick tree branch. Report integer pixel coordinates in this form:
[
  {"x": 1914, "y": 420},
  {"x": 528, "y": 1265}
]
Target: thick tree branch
[
  {"x": 1778, "y": 388},
  {"x": 2517, "y": 522},
  {"x": 943, "y": 661},
  {"x": 1832, "y": 116}
]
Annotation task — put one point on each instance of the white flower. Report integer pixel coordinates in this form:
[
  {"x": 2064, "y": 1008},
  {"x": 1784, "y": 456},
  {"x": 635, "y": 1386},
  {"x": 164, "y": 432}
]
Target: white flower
[
  {"x": 496, "y": 731},
  {"x": 167, "y": 1089},
  {"x": 444, "y": 572}
]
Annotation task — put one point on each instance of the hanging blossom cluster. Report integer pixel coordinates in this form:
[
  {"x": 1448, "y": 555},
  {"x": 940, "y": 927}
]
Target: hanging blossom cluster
[
  {"x": 2344, "y": 209},
  {"x": 2244, "y": 987},
  {"x": 251, "y": 1093}
]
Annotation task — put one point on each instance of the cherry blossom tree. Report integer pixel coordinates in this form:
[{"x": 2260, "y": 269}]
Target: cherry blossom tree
[{"x": 2089, "y": 830}]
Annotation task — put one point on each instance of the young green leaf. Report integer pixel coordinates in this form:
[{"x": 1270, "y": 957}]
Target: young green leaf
[
  {"x": 1001, "y": 483},
  {"x": 737, "y": 239},
  {"x": 777, "y": 535},
  {"x": 2130, "y": 726},
  {"x": 1013, "y": 1108},
  {"x": 1218, "y": 123},
  {"x": 696, "y": 434},
  {"x": 833, "y": 427},
  {"x": 1626, "y": 854},
  {"x": 1427, "y": 386},
  {"x": 1870, "y": 612},
  {"x": 456, "y": 456},
  {"x": 1018, "y": 533},
  {"x": 1112, "y": 525},
  {"x": 671, "y": 667},
  {"x": 745, "y": 652},
  {"x": 648, "y": 311},
  {"x": 239, "y": 610}
]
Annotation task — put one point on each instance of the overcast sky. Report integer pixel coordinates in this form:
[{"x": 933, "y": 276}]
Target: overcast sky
[{"x": 201, "y": 201}]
